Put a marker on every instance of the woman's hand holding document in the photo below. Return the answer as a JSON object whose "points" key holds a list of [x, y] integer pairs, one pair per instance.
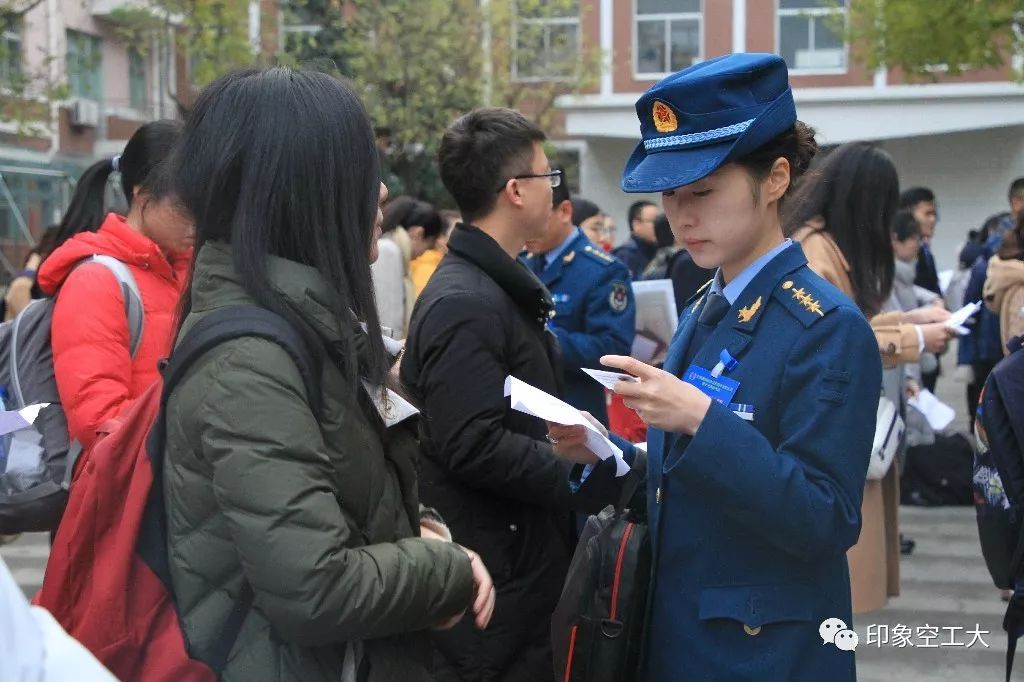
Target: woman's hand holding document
{"points": [[579, 439], [958, 319]]}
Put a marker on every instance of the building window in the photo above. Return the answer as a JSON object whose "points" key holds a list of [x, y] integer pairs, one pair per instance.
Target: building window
{"points": [[667, 36], [138, 89], [810, 37], [10, 54], [85, 65], [545, 41], [299, 24]]}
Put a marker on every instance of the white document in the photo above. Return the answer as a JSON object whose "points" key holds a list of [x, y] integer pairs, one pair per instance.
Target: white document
{"points": [[535, 402], [656, 319], [392, 407], [960, 317], [608, 379], [939, 414], [645, 349], [15, 420], [945, 277]]}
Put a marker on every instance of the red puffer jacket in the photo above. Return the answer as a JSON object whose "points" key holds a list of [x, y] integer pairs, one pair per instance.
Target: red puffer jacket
{"points": [[96, 376]]}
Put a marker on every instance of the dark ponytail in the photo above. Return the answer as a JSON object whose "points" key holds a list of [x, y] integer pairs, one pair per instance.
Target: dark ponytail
{"points": [[86, 211], [145, 152]]}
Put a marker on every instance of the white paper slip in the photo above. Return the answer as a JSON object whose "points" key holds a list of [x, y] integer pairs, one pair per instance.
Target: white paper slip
{"points": [[535, 402], [939, 414], [945, 277], [960, 317], [392, 407], [15, 420], [608, 379]]}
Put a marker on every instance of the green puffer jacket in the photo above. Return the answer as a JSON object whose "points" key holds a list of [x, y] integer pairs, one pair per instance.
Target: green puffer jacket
{"points": [[319, 515]]}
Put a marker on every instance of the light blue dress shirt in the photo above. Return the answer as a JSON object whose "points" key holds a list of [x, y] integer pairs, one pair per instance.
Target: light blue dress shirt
{"points": [[733, 289]]}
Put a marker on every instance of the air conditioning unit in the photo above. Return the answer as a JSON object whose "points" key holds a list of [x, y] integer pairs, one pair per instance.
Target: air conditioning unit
{"points": [[85, 113]]}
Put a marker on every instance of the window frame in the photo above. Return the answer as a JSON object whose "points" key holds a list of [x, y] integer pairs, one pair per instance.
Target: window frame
{"points": [[811, 12], [96, 44], [14, 34], [547, 23], [135, 59], [666, 18]]}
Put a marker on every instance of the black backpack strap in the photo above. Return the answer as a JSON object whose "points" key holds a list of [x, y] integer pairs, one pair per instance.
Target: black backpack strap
{"points": [[1013, 623], [219, 326]]}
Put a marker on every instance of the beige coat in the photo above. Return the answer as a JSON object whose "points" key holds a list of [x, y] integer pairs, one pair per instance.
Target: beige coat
{"points": [[1004, 295], [875, 559]]}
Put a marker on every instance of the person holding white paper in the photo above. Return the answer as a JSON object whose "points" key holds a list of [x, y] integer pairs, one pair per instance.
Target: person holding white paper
{"points": [[749, 520], [485, 467]]}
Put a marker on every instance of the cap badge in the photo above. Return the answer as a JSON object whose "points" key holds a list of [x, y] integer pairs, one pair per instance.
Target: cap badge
{"points": [[664, 118]]}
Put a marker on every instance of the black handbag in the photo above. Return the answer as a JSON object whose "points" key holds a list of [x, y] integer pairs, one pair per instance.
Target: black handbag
{"points": [[598, 627]]}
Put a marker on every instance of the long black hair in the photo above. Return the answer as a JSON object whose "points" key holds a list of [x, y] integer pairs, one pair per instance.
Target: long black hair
{"points": [[856, 189], [282, 162], [147, 149]]}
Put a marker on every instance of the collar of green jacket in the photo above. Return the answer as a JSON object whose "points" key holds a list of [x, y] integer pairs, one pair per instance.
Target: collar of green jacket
{"points": [[216, 283]]}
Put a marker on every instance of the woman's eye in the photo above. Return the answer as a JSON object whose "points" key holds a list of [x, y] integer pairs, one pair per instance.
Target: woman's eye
{"points": [[702, 193]]}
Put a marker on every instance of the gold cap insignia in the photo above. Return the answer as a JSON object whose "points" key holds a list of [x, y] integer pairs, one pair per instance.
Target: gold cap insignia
{"points": [[747, 314], [664, 118]]}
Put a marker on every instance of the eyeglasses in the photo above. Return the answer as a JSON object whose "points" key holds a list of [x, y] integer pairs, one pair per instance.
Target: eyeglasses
{"points": [[555, 177]]}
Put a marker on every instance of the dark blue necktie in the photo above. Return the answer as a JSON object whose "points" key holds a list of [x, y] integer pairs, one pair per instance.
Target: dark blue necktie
{"points": [[539, 264], [711, 314]]}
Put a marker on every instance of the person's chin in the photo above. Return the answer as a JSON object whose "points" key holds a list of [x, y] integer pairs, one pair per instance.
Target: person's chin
{"points": [[704, 254]]}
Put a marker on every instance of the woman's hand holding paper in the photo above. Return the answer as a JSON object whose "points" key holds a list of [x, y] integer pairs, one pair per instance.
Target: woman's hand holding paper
{"points": [[661, 399]]}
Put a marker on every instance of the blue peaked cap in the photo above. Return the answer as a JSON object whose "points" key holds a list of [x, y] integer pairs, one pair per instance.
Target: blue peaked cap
{"points": [[699, 119]]}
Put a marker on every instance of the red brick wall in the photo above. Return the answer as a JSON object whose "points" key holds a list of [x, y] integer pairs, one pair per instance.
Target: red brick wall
{"points": [[74, 140], [120, 128]]}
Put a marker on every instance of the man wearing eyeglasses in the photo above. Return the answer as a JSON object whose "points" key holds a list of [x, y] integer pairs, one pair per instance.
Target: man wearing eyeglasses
{"points": [[488, 470], [595, 313]]}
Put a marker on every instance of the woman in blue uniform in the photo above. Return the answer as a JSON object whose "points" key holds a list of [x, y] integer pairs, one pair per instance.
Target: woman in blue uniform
{"points": [[761, 421]]}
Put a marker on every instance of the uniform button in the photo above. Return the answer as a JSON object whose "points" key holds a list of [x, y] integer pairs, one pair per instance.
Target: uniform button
{"points": [[753, 632], [657, 496], [513, 527]]}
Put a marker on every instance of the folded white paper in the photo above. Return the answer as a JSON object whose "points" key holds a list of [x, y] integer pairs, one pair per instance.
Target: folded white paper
{"points": [[392, 407], [535, 402], [608, 379], [960, 317], [15, 420], [939, 414]]}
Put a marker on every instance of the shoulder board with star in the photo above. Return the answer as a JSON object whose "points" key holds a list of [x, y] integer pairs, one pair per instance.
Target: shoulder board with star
{"points": [[598, 254], [808, 297]]}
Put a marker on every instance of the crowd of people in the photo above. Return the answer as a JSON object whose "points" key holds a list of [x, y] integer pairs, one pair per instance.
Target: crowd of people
{"points": [[406, 523]]}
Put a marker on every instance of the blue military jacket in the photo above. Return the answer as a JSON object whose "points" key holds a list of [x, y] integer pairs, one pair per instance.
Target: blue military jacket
{"points": [[751, 519], [595, 315]]}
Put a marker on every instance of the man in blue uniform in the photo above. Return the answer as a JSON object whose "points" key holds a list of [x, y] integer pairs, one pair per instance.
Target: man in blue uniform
{"points": [[637, 251], [761, 421], [595, 313]]}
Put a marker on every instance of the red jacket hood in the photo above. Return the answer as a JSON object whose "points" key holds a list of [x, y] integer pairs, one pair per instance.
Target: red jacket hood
{"points": [[115, 238]]}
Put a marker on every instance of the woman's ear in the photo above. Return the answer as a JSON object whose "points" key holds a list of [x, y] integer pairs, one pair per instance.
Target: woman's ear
{"points": [[415, 232], [777, 181]]}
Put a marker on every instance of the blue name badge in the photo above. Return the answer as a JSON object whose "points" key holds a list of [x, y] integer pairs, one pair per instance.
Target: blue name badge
{"points": [[721, 389]]}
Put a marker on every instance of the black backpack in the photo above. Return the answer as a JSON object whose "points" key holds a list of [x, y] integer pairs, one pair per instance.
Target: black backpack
{"points": [[37, 463], [598, 627], [999, 485]]}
